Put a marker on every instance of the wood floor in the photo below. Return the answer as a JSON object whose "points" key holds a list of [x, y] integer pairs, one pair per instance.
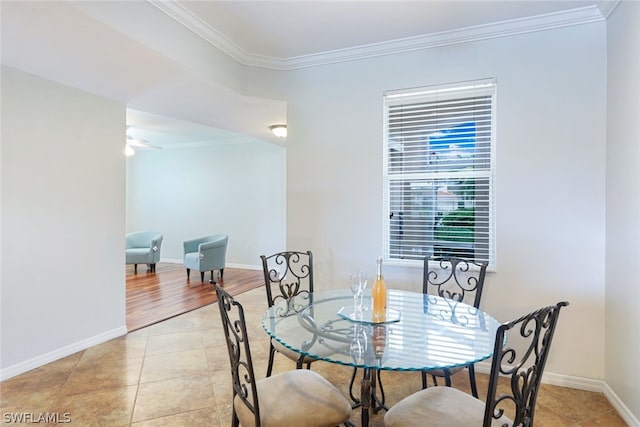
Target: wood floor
{"points": [[153, 297]]}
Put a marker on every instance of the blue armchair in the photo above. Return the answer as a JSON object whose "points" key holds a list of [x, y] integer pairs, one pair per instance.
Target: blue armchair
{"points": [[206, 254], [143, 247]]}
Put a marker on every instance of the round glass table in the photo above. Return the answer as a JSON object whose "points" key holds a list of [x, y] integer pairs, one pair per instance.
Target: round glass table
{"points": [[420, 332]]}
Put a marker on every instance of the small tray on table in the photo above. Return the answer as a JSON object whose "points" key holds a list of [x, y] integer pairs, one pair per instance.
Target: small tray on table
{"points": [[367, 316]]}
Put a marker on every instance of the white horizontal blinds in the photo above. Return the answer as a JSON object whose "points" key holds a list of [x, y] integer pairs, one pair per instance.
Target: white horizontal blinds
{"points": [[438, 177]]}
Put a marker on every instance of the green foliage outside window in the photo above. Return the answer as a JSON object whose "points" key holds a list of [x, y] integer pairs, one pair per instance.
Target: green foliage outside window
{"points": [[456, 226], [454, 234]]}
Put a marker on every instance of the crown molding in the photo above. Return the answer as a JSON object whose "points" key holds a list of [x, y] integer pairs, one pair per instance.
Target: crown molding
{"points": [[577, 16], [192, 22], [607, 6], [447, 38]]}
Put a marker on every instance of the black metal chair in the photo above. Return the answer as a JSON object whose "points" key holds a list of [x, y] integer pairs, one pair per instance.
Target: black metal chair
{"points": [[460, 280], [286, 275], [297, 397], [521, 360]]}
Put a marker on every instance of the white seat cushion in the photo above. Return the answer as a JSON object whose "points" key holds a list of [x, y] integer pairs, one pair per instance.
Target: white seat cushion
{"points": [[296, 398], [287, 352], [439, 407]]}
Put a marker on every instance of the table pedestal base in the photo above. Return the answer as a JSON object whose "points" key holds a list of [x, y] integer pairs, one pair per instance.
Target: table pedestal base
{"points": [[369, 399]]}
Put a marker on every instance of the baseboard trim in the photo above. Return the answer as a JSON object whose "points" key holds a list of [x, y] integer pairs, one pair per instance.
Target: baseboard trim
{"points": [[246, 267], [52, 356], [581, 383], [622, 409], [230, 265]]}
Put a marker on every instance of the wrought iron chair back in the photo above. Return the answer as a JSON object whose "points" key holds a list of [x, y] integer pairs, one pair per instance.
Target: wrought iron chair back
{"points": [[455, 278], [288, 277], [522, 359], [242, 374], [520, 352]]}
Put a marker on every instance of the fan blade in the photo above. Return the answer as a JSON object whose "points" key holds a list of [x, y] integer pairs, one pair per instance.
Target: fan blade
{"points": [[142, 143]]}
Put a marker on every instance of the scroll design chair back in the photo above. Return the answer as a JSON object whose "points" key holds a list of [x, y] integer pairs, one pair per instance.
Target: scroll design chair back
{"points": [[460, 280], [242, 374], [524, 367], [297, 397], [288, 276], [521, 350]]}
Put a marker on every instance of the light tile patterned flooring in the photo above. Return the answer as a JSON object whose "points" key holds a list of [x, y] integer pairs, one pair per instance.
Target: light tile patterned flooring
{"points": [[175, 373]]}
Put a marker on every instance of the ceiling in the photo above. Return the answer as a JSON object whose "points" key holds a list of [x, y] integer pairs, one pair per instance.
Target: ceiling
{"points": [[291, 29], [155, 56]]}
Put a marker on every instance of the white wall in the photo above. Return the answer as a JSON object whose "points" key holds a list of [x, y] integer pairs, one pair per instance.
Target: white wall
{"points": [[550, 176], [235, 188], [63, 194], [622, 372]]}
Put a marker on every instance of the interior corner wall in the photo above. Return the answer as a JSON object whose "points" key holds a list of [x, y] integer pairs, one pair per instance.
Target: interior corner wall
{"points": [[63, 195], [235, 188], [622, 371], [550, 174]]}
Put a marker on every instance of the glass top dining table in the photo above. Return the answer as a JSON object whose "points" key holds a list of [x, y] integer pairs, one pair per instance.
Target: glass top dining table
{"points": [[421, 332]]}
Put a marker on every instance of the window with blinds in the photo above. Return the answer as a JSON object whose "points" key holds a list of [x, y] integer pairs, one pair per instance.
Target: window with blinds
{"points": [[438, 172]]}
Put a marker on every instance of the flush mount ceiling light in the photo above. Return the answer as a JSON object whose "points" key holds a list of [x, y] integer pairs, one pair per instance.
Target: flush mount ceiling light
{"points": [[279, 130]]}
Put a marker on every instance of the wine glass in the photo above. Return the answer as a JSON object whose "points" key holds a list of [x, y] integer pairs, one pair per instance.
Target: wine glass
{"points": [[364, 281], [358, 344], [356, 290], [358, 283]]}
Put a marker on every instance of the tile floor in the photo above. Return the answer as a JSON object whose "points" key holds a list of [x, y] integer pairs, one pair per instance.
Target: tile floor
{"points": [[175, 373]]}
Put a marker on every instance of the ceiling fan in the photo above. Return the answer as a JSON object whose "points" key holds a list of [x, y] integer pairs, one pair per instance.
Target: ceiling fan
{"points": [[132, 142]]}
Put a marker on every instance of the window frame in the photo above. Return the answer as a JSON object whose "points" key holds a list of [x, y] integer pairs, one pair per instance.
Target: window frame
{"points": [[446, 93]]}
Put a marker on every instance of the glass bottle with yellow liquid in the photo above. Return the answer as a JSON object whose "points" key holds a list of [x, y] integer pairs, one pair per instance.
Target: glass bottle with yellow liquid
{"points": [[379, 341], [379, 296]]}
